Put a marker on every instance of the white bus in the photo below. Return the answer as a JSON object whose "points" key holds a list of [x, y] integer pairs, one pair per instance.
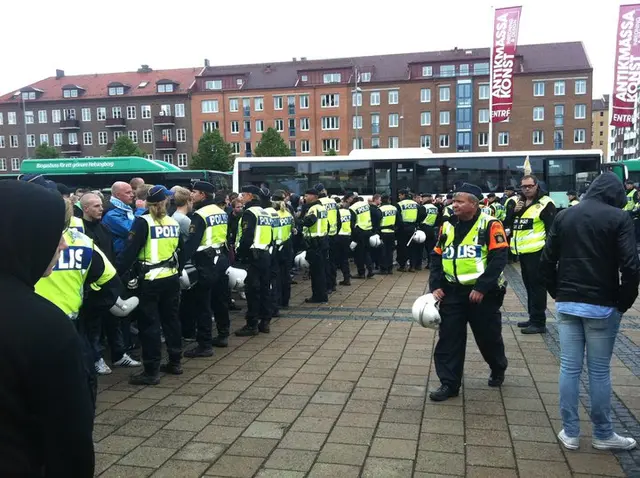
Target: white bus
{"points": [[380, 170]]}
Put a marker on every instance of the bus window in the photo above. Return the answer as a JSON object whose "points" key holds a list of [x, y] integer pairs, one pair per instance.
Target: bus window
{"points": [[560, 175], [404, 176], [382, 175], [430, 176], [586, 170], [513, 170], [341, 176], [483, 172], [291, 177]]}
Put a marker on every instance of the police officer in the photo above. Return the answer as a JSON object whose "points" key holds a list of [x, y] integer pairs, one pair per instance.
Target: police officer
{"points": [[254, 242], [572, 197], [361, 231], [283, 248], [497, 208], [387, 233], [409, 218], [429, 225], [343, 240], [315, 228], [154, 245], [466, 277], [376, 219], [206, 247], [334, 226], [632, 195], [275, 279], [533, 216]]}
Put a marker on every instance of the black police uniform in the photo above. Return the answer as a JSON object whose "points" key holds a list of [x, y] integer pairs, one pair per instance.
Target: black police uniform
{"points": [[316, 256]]}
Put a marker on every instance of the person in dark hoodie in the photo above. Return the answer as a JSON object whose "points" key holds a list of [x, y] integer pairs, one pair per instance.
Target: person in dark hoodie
{"points": [[590, 267], [46, 409]]}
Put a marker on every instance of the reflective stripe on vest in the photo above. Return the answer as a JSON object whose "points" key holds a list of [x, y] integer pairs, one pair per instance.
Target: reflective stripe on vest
{"points": [[388, 221], [286, 226], [275, 223], [408, 210], [432, 215], [529, 234], [362, 210], [332, 214], [575, 202], [263, 235], [500, 212], [321, 226], [448, 211], [162, 242], [77, 224], [215, 220], [630, 203], [345, 222]]}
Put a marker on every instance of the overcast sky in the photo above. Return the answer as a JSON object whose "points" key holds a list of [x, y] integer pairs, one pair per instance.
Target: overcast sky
{"points": [[120, 35]]}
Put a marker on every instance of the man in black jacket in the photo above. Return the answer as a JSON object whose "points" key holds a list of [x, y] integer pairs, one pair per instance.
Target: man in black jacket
{"points": [[46, 408], [590, 267]]}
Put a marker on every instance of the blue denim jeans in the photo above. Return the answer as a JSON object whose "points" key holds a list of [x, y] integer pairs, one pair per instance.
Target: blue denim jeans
{"points": [[597, 336]]}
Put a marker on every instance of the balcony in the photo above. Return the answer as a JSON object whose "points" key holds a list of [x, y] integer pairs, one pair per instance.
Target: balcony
{"points": [[71, 149], [115, 123], [375, 128], [165, 145], [164, 120], [70, 124]]}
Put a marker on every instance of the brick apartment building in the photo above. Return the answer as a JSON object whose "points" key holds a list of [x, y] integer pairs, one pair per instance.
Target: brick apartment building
{"points": [[438, 100], [83, 115], [600, 125]]}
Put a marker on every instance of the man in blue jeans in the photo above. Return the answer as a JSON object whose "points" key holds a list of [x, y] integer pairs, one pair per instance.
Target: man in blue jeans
{"points": [[590, 267]]}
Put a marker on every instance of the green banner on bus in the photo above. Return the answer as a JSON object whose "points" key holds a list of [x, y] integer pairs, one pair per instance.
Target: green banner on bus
{"points": [[127, 164]]}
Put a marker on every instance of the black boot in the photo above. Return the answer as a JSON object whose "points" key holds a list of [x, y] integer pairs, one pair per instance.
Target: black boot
{"points": [[524, 324], [198, 352], [443, 393], [345, 282], [534, 329], [247, 331], [496, 379], [173, 368], [222, 340], [264, 327], [143, 378]]}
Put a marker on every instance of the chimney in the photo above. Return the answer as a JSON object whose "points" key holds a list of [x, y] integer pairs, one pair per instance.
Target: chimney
{"points": [[144, 69], [59, 74], [303, 58], [294, 59], [206, 63]]}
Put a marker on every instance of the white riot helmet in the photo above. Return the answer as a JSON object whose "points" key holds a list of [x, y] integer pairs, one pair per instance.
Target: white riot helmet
{"points": [[375, 241], [419, 237], [353, 245], [189, 277], [425, 311], [236, 278], [301, 260], [123, 308]]}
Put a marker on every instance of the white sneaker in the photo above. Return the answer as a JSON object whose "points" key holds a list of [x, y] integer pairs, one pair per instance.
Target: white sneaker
{"points": [[616, 442], [126, 361], [102, 368], [570, 443]]}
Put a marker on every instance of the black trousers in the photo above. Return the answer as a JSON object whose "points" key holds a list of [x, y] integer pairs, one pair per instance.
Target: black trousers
{"points": [[316, 258], [99, 321], [536, 291], [87, 354], [285, 257], [220, 296], [486, 324], [430, 243], [341, 257], [376, 255], [159, 304], [195, 313], [362, 254], [330, 268], [258, 288], [402, 248], [275, 280], [386, 251]]}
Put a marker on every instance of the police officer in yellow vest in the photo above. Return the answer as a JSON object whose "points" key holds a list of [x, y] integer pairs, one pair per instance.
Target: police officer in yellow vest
{"points": [[572, 197], [497, 209], [361, 231], [267, 205], [388, 225], [334, 226], [206, 246], [343, 240], [429, 225], [254, 244], [410, 215], [533, 216], [283, 249], [315, 229], [154, 249], [632, 195], [466, 277]]}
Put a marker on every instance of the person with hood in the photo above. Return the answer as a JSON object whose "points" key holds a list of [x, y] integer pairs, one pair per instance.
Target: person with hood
{"points": [[590, 267], [533, 216], [46, 418]]}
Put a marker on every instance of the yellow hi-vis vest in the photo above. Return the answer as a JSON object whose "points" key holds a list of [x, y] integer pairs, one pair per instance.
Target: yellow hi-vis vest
{"points": [[332, 214], [363, 215], [528, 232], [465, 263], [630, 204], [77, 224], [575, 202], [215, 235], [388, 221], [321, 227], [65, 286], [500, 212], [275, 223], [432, 215], [263, 235], [162, 242], [408, 210], [286, 225], [345, 222], [513, 198]]}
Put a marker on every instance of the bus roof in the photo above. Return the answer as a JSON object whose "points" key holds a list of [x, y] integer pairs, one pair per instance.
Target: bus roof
{"points": [[124, 164]]}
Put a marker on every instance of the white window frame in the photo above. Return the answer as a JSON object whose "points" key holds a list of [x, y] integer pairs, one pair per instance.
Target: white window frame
{"points": [[427, 71], [537, 137], [441, 93], [145, 111], [503, 138], [103, 137], [31, 141], [42, 116], [183, 160], [209, 106], [356, 99], [87, 135], [278, 102], [425, 95], [85, 113], [357, 122], [538, 113], [393, 98], [425, 118], [259, 126], [14, 141], [72, 138], [101, 113], [131, 113], [15, 164], [393, 142], [394, 120], [147, 136], [305, 124], [483, 115], [582, 114], [331, 78], [116, 112], [330, 123], [58, 139], [538, 85], [365, 77], [330, 100], [168, 158], [213, 85], [580, 91], [29, 117], [330, 143], [304, 102], [483, 139], [444, 141], [579, 136], [484, 91], [559, 88], [374, 98], [12, 118], [234, 105], [444, 118], [258, 103], [179, 110], [3, 164], [279, 125], [181, 135], [3, 144], [425, 141], [235, 127], [45, 137], [305, 146], [133, 135], [375, 142]]}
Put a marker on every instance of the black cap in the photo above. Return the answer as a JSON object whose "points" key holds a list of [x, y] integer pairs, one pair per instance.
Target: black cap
{"points": [[319, 187], [571, 193], [450, 196], [264, 192], [509, 188], [251, 189], [385, 197], [204, 187], [491, 195], [348, 195], [157, 194], [470, 189], [62, 189], [220, 197], [629, 181], [38, 179], [278, 195], [404, 191], [312, 191]]}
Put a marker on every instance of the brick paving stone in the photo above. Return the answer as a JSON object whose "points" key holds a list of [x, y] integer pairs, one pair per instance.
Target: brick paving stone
{"points": [[393, 448], [257, 447], [405, 403], [336, 398], [358, 420], [206, 409], [115, 417], [530, 433], [597, 464], [488, 437], [520, 417], [183, 469], [266, 473], [351, 435], [266, 430], [303, 440], [136, 404], [343, 454], [398, 430], [445, 427], [169, 439], [543, 469], [218, 434], [293, 460], [436, 462], [537, 451], [364, 406], [387, 467], [160, 413], [235, 466], [104, 461], [149, 456], [487, 472], [486, 422], [296, 402], [199, 451], [118, 444], [443, 412], [192, 423], [442, 443], [330, 470], [120, 471], [313, 424], [183, 401], [490, 456]]}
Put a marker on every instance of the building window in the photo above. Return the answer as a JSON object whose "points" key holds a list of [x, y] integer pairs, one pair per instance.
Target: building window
{"points": [[133, 136], [374, 98], [179, 109], [183, 162], [13, 141], [425, 95], [503, 138], [304, 102], [581, 87], [375, 142], [145, 111], [87, 139], [15, 164], [329, 101], [331, 78], [3, 164], [481, 68], [165, 88], [1, 118], [558, 88], [538, 137], [44, 138], [13, 119], [147, 136], [70, 93], [86, 114], [42, 116], [181, 135], [73, 138], [580, 111], [425, 141], [329, 144], [538, 88], [259, 126], [483, 92], [28, 117], [101, 114], [538, 113], [559, 115], [365, 77], [234, 105], [31, 141], [394, 97], [444, 93], [356, 99], [235, 148], [116, 112], [425, 118], [57, 139], [305, 147], [483, 139], [330, 122], [279, 124], [447, 71], [2, 143], [445, 118], [278, 103], [209, 126], [358, 143], [394, 142], [235, 127], [209, 106], [357, 122], [131, 112], [444, 140], [167, 158], [579, 135], [213, 84], [116, 90], [394, 119], [427, 71], [483, 116], [103, 137], [464, 69], [304, 124], [258, 104]]}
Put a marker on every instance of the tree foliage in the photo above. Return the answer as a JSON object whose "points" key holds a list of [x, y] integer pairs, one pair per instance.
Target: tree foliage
{"points": [[124, 146], [331, 152], [44, 151], [272, 144], [214, 153]]}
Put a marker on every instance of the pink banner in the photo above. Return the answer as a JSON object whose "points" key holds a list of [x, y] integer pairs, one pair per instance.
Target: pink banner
{"points": [[627, 67], [505, 38]]}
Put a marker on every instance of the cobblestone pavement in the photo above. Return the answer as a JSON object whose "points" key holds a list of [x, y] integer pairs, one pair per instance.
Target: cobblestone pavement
{"points": [[340, 391]]}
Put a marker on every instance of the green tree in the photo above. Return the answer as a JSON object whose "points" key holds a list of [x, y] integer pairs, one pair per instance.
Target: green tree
{"points": [[124, 146], [44, 151], [214, 153], [331, 152], [272, 144]]}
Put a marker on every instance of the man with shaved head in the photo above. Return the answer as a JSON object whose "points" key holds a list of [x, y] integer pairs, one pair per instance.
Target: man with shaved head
{"points": [[119, 215], [135, 183]]}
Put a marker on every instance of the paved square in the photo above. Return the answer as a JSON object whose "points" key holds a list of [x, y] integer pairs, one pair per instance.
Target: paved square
{"points": [[341, 390]]}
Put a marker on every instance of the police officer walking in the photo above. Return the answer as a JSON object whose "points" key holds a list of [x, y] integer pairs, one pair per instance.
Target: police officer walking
{"points": [[387, 234], [466, 277], [154, 244], [334, 226], [314, 231]]}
